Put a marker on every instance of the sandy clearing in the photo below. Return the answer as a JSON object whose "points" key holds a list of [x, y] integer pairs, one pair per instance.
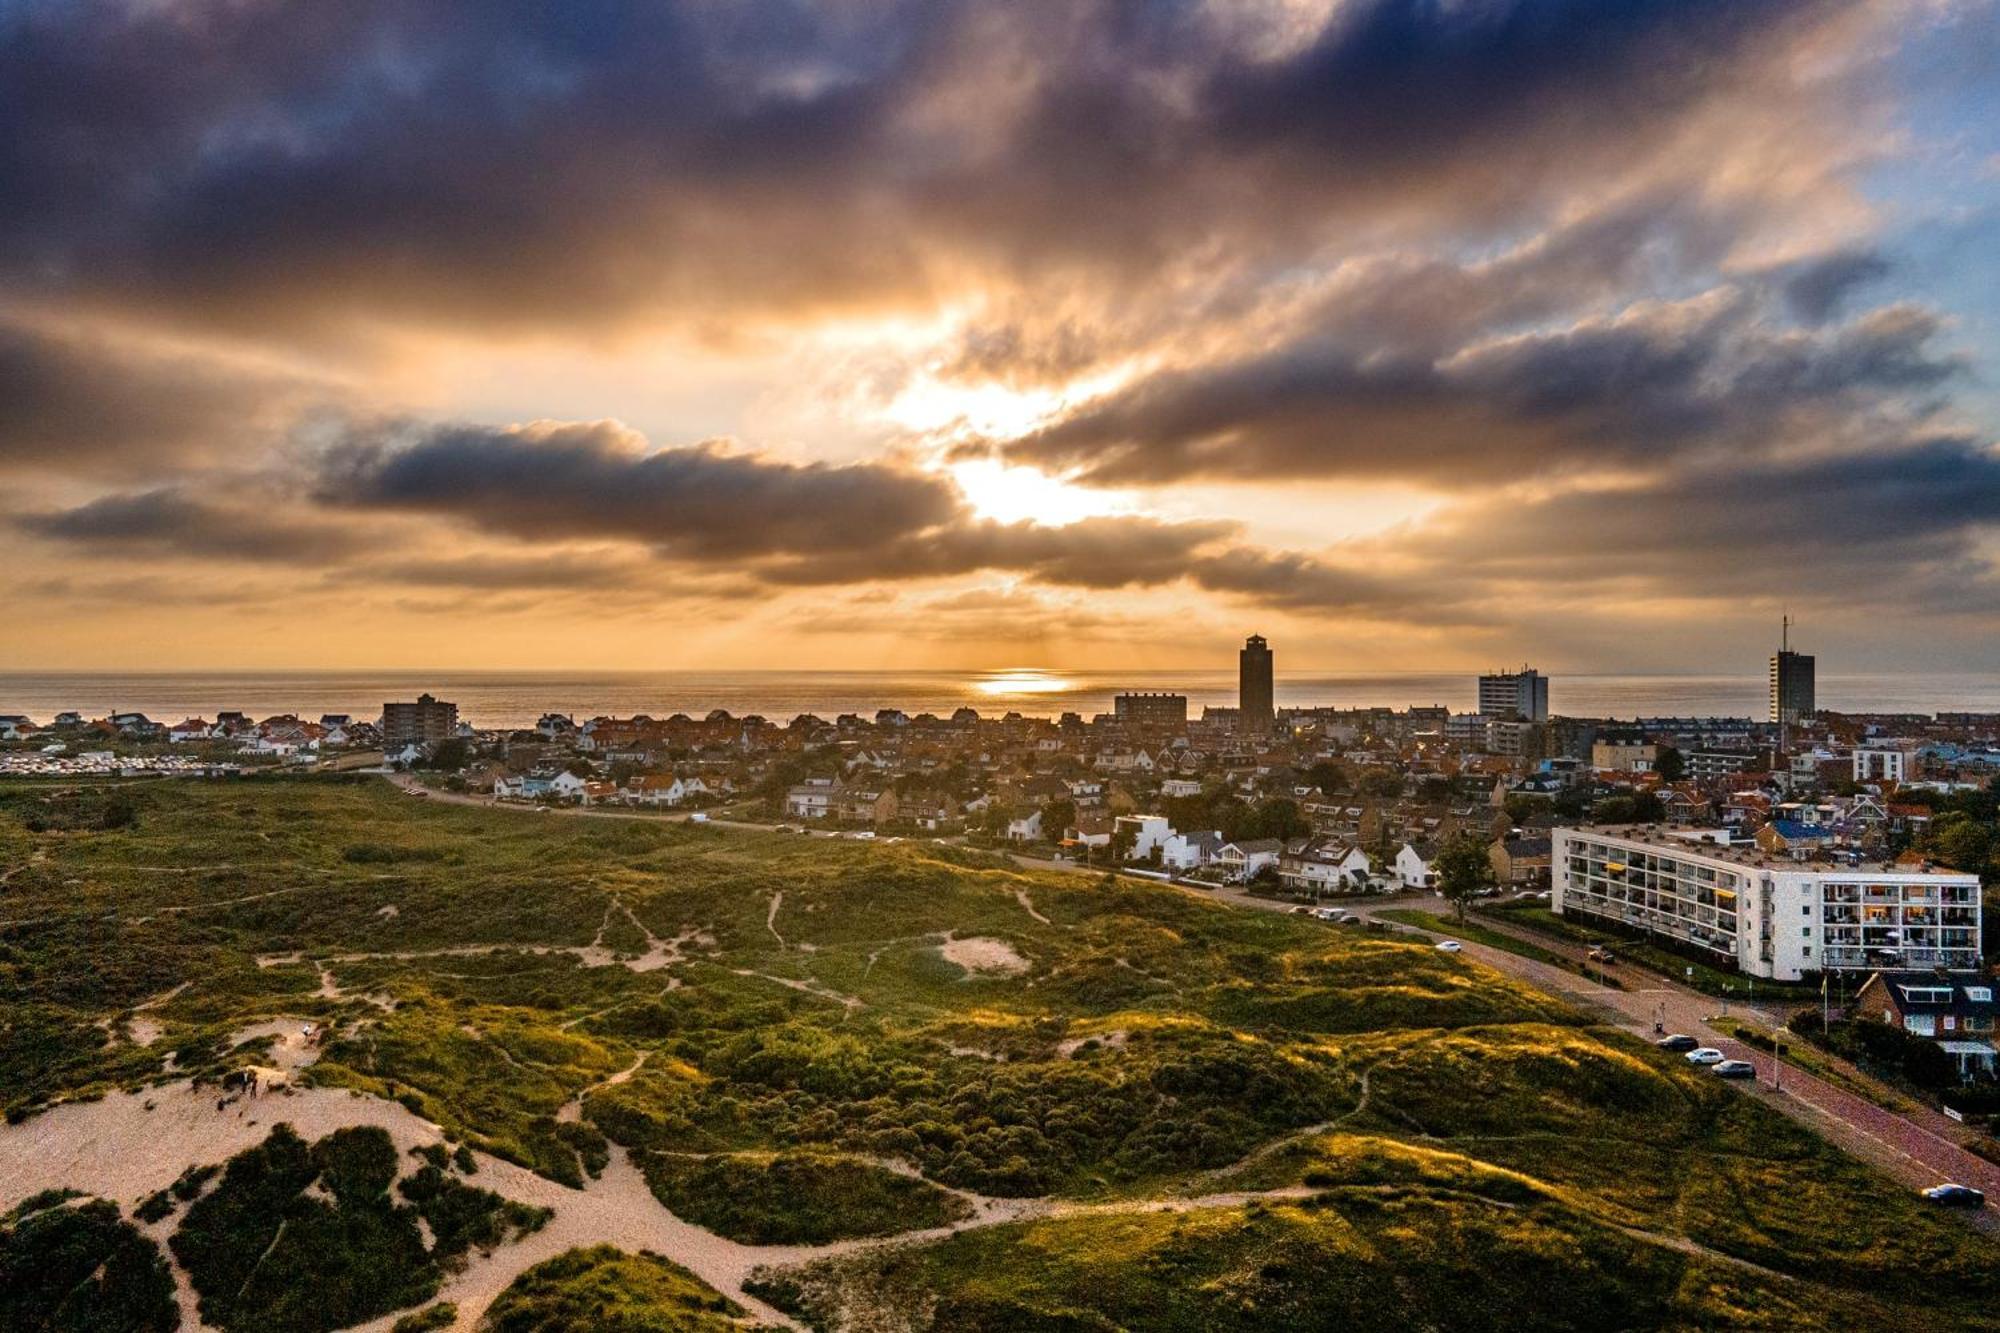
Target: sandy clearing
{"points": [[144, 1031], [1114, 1039], [984, 955]]}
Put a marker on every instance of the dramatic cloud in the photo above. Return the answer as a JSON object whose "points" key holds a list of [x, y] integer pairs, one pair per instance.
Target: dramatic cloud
{"points": [[597, 479], [1414, 327]]}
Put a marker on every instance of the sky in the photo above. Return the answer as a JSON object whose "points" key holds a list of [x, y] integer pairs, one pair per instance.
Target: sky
{"points": [[1084, 333]]}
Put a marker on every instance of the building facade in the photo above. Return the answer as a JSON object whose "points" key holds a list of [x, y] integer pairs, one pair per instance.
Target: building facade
{"points": [[1146, 708], [1255, 702], [1776, 916], [424, 722], [1793, 698], [1522, 696]]}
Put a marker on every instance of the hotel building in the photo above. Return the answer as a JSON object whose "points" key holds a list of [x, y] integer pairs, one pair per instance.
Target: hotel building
{"points": [[1771, 915]]}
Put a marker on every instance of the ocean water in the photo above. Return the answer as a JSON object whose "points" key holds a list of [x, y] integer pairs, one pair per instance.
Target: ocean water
{"points": [[492, 698]]}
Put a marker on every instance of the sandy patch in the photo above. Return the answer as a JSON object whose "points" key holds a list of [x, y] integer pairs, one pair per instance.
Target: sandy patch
{"points": [[984, 956], [144, 1031], [1114, 1040], [290, 1048]]}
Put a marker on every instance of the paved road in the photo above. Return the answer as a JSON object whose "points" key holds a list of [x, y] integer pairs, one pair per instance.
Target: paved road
{"points": [[1913, 1151]]}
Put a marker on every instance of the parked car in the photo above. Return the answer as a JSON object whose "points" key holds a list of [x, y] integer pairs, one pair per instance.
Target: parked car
{"points": [[1302, 910], [1735, 1069], [1330, 914], [1956, 1196], [1679, 1041], [1544, 896], [1600, 954], [1449, 946], [1352, 920], [1705, 1055]]}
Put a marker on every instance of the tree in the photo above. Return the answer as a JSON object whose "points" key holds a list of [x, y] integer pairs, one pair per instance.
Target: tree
{"points": [[1328, 776], [1463, 867], [1058, 816], [1670, 764], [449, 756]]}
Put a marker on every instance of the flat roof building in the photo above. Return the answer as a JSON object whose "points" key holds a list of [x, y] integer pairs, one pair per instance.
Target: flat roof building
{"points": [[1255, 702], [424, 722], [1147, 708], [1521, 695], [1793, 697], [1772, 914]]}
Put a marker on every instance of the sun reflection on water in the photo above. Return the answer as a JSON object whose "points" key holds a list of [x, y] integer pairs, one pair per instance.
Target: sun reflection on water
{"points": [[1021, 681]]}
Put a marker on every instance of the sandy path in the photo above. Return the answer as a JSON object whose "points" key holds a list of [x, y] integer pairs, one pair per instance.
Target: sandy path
{"points": [[771, 918], [1028, 906]]}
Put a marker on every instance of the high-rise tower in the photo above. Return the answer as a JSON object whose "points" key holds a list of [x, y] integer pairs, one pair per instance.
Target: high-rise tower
{"points": [[1253, 686], [1792, 696]]}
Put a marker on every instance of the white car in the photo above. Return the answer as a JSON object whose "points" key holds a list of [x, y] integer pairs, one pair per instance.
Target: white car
{"points": [[1449, 946], [1705, 1055], [1329, 914]]}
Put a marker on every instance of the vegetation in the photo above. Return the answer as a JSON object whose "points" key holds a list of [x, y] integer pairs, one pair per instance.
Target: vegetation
{"points": [[67, 1264], [796, 1198], [806, 1039], [605, 1290], [1463, 867], [309, 1238]]}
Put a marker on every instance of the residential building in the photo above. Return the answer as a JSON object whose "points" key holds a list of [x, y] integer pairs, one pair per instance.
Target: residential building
{"points": [[1180, 787], [1956, 1011], [1147, 832], [1190, 851], [1025, 828], [425, 722], [1522, 862], [1522, 696], [1772, 915], [1792, 695], [1146, 708], [1255, 700], [1241, 861], [1885, 761], [1414, 862], [1324, 865], [815, 798], [1623, 753]]}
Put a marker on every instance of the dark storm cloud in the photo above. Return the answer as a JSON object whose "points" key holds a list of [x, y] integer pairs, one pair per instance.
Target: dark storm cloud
{"points": [[170, 522], [1895, 528], [1639, 387], [596, 479], [270, 165], [1818, 287], [84, 403]]}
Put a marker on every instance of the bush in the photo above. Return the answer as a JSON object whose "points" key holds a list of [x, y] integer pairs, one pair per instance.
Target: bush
{"points": [[81, 1267]]}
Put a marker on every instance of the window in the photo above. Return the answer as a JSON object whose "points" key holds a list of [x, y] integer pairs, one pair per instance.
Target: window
{"points": [[1806, 931], [1923, 1025], [1950, 1023], [1979, 994], [1805, 909]]}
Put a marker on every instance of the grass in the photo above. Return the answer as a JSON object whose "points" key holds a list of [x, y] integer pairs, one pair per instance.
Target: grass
{"points": [[68, 1264], [1471, 1151], [796, 1198], [1478, 934], [1634, 947], [606, 1290]]}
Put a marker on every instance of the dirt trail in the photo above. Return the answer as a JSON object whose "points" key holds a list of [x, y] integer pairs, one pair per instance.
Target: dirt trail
{"points": [[771, 918], [1028, 906]]}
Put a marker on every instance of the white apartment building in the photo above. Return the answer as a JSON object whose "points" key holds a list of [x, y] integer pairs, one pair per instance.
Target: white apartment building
{"points": [[1772, 915], [1885, 762]]}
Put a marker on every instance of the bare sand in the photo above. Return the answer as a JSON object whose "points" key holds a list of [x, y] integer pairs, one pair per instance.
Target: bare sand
{"points": [[984, 955]]}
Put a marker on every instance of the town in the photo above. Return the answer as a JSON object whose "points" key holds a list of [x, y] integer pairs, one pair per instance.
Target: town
{"points": [[1775, 848]]}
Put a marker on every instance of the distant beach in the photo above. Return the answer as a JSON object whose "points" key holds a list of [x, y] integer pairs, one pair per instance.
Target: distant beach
{"points": [[496, 699]]}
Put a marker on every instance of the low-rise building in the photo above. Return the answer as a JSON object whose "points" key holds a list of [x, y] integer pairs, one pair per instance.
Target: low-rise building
{"points": [[1414, 862], [1521, 862], [1771, 915], [1955, 1010]]}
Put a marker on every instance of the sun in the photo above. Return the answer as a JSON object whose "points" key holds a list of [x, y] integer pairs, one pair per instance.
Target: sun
{"points": [[1008, 494]]}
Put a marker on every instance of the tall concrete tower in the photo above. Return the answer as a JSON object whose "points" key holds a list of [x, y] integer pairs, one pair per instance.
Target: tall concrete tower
{"points": [[1253, 686]]}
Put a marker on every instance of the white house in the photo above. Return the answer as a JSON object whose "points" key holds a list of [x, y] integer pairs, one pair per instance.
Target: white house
{"points": [[1028, 828], [1190, 851], [815, 798], [1324, 865], [1148, 832], [1243, 859], [1180, 787], [1413, 865], [568, 786]]}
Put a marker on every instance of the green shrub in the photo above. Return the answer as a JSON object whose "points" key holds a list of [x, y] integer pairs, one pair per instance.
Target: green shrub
{"points": [[65, 1266]]}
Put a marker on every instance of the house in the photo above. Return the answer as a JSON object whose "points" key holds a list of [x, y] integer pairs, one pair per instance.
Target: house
{"points": [[1792, 836], [1190, 851], [1521, 863], [568, 786], [1027, 828], [661, 789], [930, 811], [596, 792], [1956, 1010], [815, 798], [874, 806], [1147, 833], [1242, 860], [1324, 864], [1090, 831], [1414, 864], [14, 727], [1174, 787]]}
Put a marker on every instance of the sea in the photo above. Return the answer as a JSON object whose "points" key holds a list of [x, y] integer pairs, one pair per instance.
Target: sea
{"points": [[518, 698]]}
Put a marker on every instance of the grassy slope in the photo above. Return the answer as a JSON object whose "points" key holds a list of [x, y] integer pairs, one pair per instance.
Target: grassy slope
{"points": [[1156, 1040]]}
